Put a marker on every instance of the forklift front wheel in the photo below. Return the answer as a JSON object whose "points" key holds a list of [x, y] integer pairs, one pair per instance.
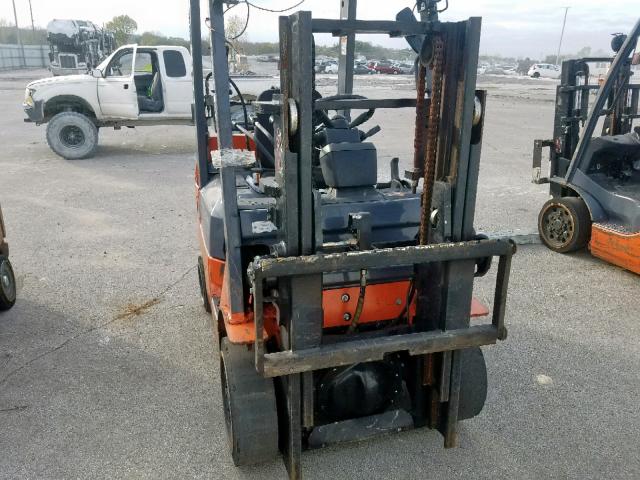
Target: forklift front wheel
{"points": [[7, 284], [473, 383], [564, 224], [249, 402]]}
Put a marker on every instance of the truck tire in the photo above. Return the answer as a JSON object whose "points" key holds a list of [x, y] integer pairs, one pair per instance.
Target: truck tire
{"points": [[7, 284], [72, 135]]}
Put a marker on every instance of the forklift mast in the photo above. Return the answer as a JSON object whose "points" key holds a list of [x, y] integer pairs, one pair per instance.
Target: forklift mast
{"points": [[306, 221]]}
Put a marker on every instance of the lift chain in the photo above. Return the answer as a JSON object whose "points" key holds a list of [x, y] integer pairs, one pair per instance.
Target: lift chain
{"points": [[433, 126], [418, 139]]}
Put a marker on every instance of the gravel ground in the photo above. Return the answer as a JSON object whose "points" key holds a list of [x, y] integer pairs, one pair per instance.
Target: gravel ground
{"points": [[107, 368]]}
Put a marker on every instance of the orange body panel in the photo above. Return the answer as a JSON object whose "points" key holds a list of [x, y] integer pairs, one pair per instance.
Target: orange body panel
{"points": [[239, 142], [615, 247], [240, 327], [478, 309], [244, 333], [383, 301], [213, 269]]}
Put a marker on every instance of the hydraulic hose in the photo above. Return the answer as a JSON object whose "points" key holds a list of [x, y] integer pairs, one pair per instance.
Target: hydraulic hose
{"points": [[363, 290], [244, 108]]}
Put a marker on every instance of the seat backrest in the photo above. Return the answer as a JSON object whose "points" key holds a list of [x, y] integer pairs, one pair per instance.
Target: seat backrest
{"points": [[349, 164], [156, 88]]}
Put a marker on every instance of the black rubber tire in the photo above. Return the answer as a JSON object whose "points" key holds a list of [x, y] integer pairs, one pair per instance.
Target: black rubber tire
{"points": [[473, 386], [535, 75], [7, 284], [571, 227], [249, 402], [85, 133], [206, 303]]}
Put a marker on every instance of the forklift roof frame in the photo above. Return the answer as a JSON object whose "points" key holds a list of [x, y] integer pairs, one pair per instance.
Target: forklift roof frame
{"points": [[603, 94]]}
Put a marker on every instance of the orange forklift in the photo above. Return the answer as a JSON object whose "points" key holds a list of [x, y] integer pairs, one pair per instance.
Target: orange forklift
{"points": [[7, 278], [595, 181], [342, 303]]}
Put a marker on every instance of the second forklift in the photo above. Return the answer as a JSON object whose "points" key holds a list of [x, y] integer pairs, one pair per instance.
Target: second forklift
{"points": [[595, 181]]}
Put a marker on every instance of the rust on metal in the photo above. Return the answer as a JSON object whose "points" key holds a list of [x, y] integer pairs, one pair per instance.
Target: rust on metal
{"points": [[418, 140], [432, 138]]}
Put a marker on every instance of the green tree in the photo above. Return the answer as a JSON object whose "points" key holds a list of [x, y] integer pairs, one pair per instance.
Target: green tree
{"points": [[123, 27], [157, 38], [584, 52], [235, 32]]}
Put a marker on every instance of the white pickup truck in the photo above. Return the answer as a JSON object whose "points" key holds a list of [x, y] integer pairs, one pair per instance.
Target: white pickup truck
{"points": [[134, 86]]}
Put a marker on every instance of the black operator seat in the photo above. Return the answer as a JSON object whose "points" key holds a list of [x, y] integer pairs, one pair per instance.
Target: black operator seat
{"points": [[153, 101], [613, 167], [610, 149], [346, 161]]}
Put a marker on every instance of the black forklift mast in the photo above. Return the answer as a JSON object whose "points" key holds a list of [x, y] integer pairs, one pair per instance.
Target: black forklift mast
{"points": [[575, 123], [223, 130], [448, 287]]}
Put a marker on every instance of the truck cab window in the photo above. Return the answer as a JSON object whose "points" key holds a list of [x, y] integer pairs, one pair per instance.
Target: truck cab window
{"points": [[174, 63], [121, 65], [144, 63]]}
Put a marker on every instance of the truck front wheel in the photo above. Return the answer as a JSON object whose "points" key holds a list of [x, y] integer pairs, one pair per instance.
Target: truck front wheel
{"points": [[72, 135]]}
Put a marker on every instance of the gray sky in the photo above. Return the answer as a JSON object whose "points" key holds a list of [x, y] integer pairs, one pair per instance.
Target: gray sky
{"points": [[510, 27]]}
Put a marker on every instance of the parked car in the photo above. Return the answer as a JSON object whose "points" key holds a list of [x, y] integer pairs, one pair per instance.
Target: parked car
{"points": [[405, 68], [494, 70], [544, 70], [362, 69], [384, 67], [7, 277], [268, 58], [134, 86], [331, 67]]}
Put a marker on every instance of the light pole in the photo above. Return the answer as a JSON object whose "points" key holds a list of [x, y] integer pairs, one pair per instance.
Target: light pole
{"points": [[564, 23], [33, 33], [15, 16], [33, 27]]}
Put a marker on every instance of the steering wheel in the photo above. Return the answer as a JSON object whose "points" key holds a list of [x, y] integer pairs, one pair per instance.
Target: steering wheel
{"points": [[323, 115]]}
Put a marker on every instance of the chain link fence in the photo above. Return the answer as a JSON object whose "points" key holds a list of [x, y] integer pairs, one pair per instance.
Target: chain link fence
{"points": [[13, 57]]}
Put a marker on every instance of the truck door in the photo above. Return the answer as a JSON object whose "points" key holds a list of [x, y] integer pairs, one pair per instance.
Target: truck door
{"points": [[117, 89], [176, 75]]}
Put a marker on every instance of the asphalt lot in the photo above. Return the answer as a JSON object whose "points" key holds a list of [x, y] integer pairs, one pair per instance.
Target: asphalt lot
{"points": [[107, 367]]}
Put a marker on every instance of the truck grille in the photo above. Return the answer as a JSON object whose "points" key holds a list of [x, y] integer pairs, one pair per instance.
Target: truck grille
{"points": [[67, 61]]}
